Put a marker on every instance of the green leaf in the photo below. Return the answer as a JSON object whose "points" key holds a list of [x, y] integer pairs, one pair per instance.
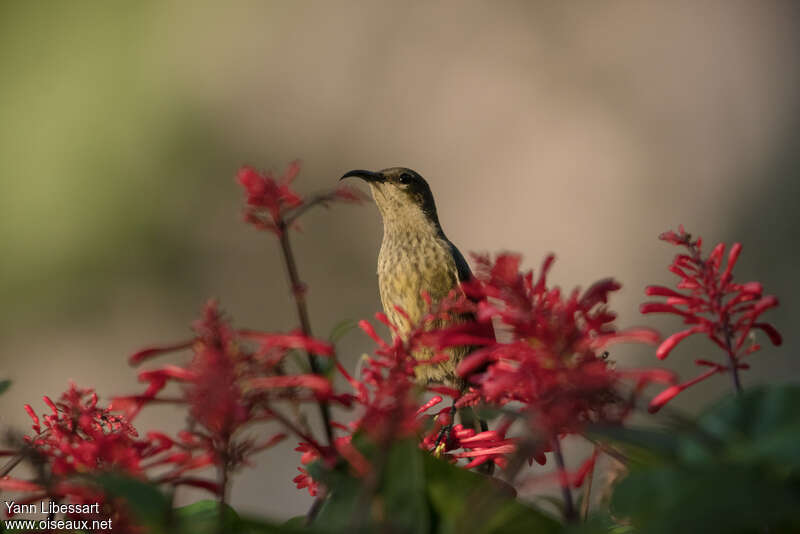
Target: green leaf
{"points": [[420, 494], [737, 469], [643, 446], [714, 499], [464, 500], [147, 503], [258, 526], [204, 517], [753, 414], [598, 523], [340, 511], [298, 522], [759, 426], [398, 501], [4, 385], [403, 489]]}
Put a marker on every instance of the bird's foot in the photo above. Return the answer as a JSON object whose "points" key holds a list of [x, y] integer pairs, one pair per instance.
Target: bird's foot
{"points": [[444, 433]]}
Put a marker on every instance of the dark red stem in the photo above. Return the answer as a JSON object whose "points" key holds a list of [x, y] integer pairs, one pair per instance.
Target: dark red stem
{"points": [[298, 292], [732, 358], [11, 464], [570, 514], [223, 483]]}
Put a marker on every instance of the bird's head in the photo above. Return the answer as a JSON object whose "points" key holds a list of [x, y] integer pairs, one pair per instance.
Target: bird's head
{"points": [[402, 195]]}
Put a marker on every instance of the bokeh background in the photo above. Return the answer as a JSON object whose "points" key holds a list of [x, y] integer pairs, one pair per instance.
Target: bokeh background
{"points": [[582, 128]]}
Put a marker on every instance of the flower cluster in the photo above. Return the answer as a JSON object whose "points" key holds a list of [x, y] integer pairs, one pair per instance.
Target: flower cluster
{"points": [[479, 447], [390, 401], [554, 362], [79, 434], [386, 395], [712, 304], [79, 437], [391, 395], [229, 387]]}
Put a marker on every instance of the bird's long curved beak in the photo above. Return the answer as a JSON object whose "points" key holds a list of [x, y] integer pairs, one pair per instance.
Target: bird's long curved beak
{"points": [[367, 176]]}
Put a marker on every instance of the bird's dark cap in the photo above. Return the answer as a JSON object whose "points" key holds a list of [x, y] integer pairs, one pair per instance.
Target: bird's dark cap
{"points": [[367, 176]]}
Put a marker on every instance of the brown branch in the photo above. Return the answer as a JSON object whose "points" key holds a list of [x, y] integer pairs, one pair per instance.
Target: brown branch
{"points": [[11, 464], [298, 292]]}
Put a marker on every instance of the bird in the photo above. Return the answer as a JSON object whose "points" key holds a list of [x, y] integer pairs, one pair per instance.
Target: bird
{"points": [[415, 257]]}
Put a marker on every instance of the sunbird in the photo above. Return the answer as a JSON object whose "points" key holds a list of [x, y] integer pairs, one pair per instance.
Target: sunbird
{"points": [[415, 256]]}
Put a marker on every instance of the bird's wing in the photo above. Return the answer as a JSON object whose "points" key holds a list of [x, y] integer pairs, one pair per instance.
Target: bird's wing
{"points": [[462, 267], [463, 270]]}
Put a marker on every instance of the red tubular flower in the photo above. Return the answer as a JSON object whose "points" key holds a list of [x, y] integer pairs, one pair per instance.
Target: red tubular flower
{"points": [[388, 390], [304, 480], [553, 362], [295, 340], [80, 437], [320, 385], [264, 192], [15, 484], [227, 387], [478, 447], [707, 298], [552, 365], [583, 471], [272, 205]]}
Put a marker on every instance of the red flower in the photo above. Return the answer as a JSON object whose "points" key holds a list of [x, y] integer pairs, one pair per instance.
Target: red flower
{"points": [[707, 299], [553, 362], [388, 397], [478, 447], [304, 480], [264, 192], [388, 389], [228, 387], [272, 205], [80, 437]]}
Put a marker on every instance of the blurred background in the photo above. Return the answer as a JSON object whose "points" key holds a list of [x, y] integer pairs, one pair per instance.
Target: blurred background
{"points": [[581, 128]]}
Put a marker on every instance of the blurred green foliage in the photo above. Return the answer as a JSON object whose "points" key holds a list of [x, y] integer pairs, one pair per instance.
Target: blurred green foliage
{"points": [[99, 158], [736, 468]]}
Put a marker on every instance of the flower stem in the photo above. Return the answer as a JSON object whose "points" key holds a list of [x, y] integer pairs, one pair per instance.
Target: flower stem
{"points": [[316, 506], [732, 358], [569, 507], [587, 493], [222, 472], [223, 493], [11, 464], [297, 431], [298, 292]]}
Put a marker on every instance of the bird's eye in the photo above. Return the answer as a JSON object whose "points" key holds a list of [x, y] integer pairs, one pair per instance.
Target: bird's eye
{"points": [[405, 178]]}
